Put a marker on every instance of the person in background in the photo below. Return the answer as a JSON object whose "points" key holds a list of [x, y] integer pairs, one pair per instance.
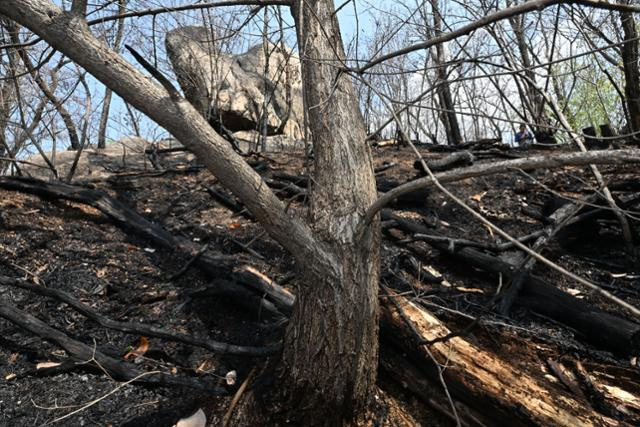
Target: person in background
{"points": [[523, 137]]}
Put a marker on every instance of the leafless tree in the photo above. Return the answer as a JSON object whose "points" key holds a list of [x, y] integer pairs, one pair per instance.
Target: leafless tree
{"points": [[328, 367]]}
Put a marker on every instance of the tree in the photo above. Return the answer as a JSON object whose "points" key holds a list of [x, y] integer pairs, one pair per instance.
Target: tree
{"points": [[631, 71], [106, 104], [334, 326], [448, 113], [328, 366]]}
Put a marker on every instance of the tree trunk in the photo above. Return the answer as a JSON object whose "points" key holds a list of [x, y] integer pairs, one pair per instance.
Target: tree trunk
{"points": [[331, 344], [106, 105], [534, 101], [329, 362], [448, 115], [631, 71]]}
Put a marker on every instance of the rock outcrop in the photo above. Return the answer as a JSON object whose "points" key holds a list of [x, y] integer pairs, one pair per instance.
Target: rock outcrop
{"points": [[125, 155], [233, 86]]}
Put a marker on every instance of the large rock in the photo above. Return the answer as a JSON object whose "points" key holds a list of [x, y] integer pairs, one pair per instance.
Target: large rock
{"points": [[234, 85], [250, 140], [125, 155]]}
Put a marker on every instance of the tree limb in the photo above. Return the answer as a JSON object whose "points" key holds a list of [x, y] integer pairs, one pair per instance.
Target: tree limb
{"points": [[500, 15], [529, 163], [180, 118], [84, 352]]}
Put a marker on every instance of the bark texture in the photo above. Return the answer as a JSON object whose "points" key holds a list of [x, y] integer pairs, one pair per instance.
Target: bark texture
{"points": [[329, 363], [331, 344], [480, 378]]}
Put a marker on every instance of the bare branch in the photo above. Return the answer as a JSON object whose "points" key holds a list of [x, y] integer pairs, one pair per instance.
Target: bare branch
{"points": [[509, 12], [157, 11], [137, 328], [529, 163]]}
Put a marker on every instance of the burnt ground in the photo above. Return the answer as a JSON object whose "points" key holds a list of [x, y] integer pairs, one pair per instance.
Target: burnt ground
{"points": [[72, 247]]}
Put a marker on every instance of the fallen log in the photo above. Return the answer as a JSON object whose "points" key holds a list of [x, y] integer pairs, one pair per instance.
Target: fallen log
{"points": [[595, 326], [248, 298], [138, 328], [462, 158], [529, 163], [396, 366], [228, 201], [122, 215], [482, 380], [211, 263], [253, 278], [415, 198], [90, 355], [384, 167]]}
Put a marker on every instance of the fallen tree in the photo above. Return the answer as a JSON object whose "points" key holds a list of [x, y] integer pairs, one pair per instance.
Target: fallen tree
{"points": [[477, 377], [595, 326]]}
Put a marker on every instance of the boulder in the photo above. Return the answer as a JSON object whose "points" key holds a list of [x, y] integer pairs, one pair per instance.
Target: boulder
{"points": [[250, 140], [233, 86], [125, 155]]}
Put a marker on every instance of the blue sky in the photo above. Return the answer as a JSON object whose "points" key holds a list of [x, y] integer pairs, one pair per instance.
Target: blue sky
{"points": [[348, 24]]}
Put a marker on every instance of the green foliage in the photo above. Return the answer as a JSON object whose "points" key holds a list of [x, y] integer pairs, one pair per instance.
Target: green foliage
{"points": [[593, 99]]}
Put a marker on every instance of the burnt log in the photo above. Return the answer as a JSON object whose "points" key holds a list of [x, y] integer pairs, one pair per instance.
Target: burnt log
{"points": [[213, 264], [593, 325], [84, 353], [412, 377], [137, 328], [462, 158], [482, 380], [415, 198]]}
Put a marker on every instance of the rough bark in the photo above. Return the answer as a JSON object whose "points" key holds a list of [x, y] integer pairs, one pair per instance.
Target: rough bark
{"points": [[330, 356], [331, 344]]}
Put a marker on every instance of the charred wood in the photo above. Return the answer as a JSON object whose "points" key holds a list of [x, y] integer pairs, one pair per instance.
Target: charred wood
{"points": [[137, 328], [413, 378], [478, 378], [90, 355], [595, 326], [251, 277], [462, 158], [418, 197]]}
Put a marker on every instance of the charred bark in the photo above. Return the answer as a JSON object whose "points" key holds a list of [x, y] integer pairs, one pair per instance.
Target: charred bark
{"points": [[601, 329]]}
